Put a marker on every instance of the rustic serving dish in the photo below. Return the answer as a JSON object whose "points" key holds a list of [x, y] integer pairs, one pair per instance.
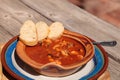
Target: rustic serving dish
{"points": [[31, 56]]}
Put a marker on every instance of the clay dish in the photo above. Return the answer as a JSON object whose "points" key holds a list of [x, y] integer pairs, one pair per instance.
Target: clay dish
{"points": [[60, 57]]}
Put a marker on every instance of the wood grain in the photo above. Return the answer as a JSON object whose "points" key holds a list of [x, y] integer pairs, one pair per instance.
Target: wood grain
{"points": [[114, 69], [105, 76], [80, 21], [77, 20], [14, 13], [12, 16]]}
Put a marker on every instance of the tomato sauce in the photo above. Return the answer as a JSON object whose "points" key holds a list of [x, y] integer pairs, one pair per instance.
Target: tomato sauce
{"points": [[63, 51]]}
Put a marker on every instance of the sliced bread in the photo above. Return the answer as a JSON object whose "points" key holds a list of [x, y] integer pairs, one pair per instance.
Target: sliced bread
{"points": [[42, 30], [56, 30], [28, 33]]}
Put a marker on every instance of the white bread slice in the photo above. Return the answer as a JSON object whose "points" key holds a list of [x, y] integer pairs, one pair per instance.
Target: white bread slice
{"points": [[28, 33], [42, 30], [56, 30]]}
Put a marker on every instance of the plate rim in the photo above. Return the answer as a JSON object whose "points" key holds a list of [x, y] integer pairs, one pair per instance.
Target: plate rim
{"points": [[105, 66], [103, 69]]}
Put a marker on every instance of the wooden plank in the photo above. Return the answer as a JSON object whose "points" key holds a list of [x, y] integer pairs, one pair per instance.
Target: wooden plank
{"points": [[77, 20], [114, 69], [4, 35], [105, 76], [14, 13], [12, 16]]}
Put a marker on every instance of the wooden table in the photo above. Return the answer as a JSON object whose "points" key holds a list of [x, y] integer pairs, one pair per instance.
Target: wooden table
{"points": [[14, 13]]}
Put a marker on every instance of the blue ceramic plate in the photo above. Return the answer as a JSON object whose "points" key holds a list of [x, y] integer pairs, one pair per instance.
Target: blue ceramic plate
{"points": [[19, 70]]}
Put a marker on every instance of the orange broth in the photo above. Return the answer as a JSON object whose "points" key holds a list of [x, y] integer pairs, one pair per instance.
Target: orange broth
{"points": [[63, 51]]}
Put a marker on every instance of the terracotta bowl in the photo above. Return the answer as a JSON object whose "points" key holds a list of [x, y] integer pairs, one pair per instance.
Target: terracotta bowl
{"points": [[52, 68]]}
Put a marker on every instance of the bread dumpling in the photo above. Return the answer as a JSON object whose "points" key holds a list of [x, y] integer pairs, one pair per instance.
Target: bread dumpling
{"points": [[28, 33], [56, 30], [42, 30]]}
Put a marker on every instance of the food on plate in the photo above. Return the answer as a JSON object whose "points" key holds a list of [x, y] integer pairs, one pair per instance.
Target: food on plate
{"points": [[28, 33], [42, 30], [53, 46], [56, 52]]}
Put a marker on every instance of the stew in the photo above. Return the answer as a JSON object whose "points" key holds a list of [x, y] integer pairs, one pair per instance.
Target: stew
{"points": [[63, 51]]}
